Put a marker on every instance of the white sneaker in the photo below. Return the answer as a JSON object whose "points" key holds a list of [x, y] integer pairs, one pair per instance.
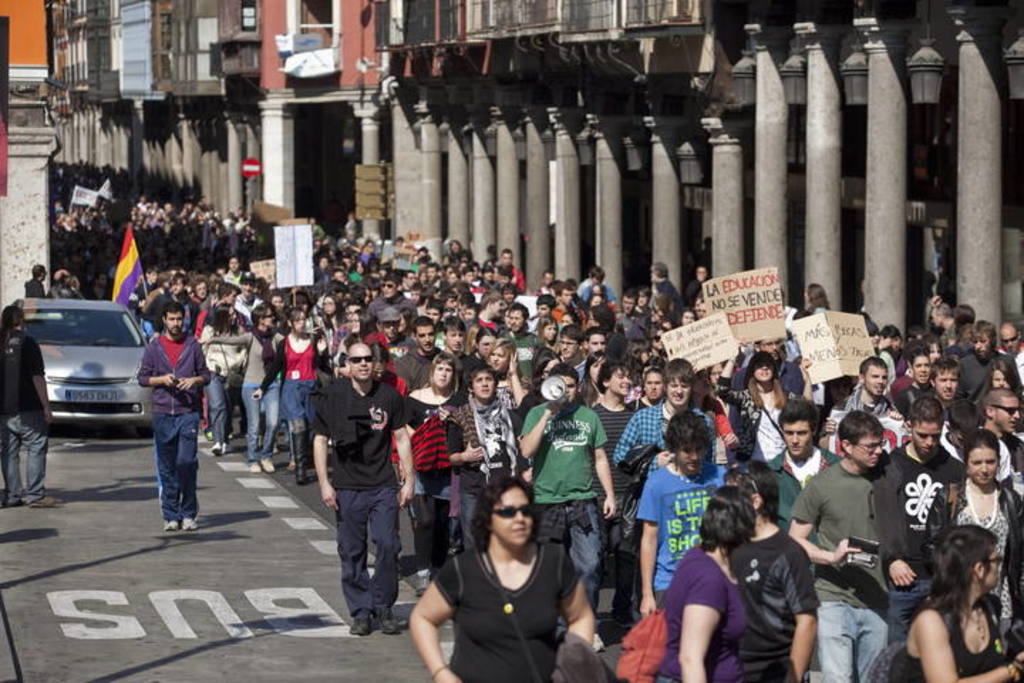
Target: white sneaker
{"points": [[171, 525], [218, 449], [189, 524], [598, 643], [268, 465], [255, 468]]}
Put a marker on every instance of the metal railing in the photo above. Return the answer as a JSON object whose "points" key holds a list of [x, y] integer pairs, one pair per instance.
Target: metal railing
{"points": [[641, 12], [589, 15]]}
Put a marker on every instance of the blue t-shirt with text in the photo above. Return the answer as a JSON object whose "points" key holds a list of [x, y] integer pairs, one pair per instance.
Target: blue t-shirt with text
{"points": [[676, 504]]}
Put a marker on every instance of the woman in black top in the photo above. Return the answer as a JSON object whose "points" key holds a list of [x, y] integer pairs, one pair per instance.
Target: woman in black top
{"points": [[505, 599], [955, 635]]}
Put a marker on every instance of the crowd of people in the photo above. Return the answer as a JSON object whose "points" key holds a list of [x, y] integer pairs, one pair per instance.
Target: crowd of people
{"points": [[760, 516]]}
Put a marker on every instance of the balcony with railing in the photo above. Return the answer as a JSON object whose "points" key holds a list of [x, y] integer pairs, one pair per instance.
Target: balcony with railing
{"points": [[660, 12], [587, 16], [419, 22], [238, 29], [497, 18]]}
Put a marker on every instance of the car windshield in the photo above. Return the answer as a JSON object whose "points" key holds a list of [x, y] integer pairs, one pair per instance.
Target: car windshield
{"points": [[82, 327]]}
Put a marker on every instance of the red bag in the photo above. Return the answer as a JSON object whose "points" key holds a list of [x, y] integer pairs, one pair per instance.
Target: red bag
{"points": [[429, 447], [643, 648]]}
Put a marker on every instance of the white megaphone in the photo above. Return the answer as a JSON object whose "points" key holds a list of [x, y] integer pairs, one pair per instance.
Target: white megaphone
{"points": [[553, 389]]}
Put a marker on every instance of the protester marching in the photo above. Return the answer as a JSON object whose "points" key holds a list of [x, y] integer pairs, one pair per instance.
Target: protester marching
{"points": [[769, 491]]}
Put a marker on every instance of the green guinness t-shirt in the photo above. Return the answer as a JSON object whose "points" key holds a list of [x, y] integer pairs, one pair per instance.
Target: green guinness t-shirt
{"points": [[563, 466]]}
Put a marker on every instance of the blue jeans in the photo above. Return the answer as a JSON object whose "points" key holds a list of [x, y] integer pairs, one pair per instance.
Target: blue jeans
{"points": [[849, 640], [467, 508], [26, 430], [217, 399], [376, 509], [176, 439], [268, 405], [903, 602], [584, 548]]}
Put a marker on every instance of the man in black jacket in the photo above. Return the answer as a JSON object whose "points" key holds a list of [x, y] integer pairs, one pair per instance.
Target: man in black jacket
{"points": [[915, 475], [34, 288]]}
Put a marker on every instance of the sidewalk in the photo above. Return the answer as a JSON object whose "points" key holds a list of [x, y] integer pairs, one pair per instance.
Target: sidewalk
{"points": [[95, 590]]}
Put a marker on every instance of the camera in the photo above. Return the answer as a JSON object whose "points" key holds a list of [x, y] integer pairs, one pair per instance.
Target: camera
{"points": [[867, 556]]}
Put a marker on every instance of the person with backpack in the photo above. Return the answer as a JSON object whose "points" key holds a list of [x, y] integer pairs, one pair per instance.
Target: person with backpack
{"points": [[955, 637], [776, 583]]}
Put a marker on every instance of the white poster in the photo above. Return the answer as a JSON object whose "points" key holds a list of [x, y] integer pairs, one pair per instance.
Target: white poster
{"points": [[84, 196], [293, 254]]}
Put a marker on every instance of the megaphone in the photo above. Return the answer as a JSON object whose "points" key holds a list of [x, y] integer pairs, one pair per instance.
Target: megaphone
{"points": [[553, 389]]}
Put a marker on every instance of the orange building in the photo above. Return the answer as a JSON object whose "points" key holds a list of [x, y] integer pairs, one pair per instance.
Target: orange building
{"points": [[27, 38]]}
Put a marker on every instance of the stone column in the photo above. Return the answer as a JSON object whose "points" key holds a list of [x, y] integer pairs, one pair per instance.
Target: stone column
{"points": [[567, 228], [507, 187], [1013, 306], [189, 151], [24, 217], [665, 199], [885, 196], [278, 142], [771, 126], [608, 157], [979, 192], [538, 210], [458, 184], [253, 148], [430, 155], [234, 165], [822, 263], [726, 198], [369, 130], [173, 151], [483, 190]]}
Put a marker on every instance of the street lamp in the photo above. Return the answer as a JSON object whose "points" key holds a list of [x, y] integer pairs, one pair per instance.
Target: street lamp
{"points": [[691, 172], [855, 78], [744, 80], [794, 79], [1015, 67], [925, 67]]}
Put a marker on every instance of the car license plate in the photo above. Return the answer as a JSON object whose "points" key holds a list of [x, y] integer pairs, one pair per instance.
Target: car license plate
{"points": [[91, 395]]}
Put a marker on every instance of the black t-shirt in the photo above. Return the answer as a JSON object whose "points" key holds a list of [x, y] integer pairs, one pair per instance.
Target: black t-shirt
{"points": [[922, 483], [487, 648], [366, 464], [471, 478], [614, 423], [775, 581], [21, 398], [420, 411]]}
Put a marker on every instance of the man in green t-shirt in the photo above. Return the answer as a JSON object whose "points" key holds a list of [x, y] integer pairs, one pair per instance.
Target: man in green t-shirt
{"points": [[837, 505], [565, 442]]}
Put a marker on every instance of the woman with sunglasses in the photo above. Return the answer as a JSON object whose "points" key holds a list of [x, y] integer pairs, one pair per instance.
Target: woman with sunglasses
{"points": [[298, 356], [984, 501], [955, 636], [505, 597]]}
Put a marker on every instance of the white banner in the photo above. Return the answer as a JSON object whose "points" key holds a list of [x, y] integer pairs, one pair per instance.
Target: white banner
{"points": [[84, 196], [293, 255], [106, 191]]}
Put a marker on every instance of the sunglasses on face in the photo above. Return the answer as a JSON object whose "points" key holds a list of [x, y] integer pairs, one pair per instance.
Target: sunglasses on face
{"points": [[510, 511], [360, 359]]}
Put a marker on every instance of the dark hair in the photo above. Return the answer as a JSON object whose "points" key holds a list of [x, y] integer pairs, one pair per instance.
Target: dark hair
{"points": [[172, 307], [957, 551], [453, 324], [607, 371], [728, 520], [1008, 366], [926, 409], [964, 416], [572, 332], [564, 370], [422, 321], [872, 361], [756, 477], [226, 289], [996, 395], [483, 369], [687, 432], [519, 308], [799, 410], [915, 350], [38, 271], [597, 330], [540, 360], [679, 369], [604, 316], [858, 424], [980, 438], [489, 498], [946, 364], [890, 332], [11, 318], [547, 300], [223, 321]]}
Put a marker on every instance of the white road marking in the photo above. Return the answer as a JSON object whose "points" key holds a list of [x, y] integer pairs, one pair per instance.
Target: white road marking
{"points": [[233, 466], [326, 547], [305, 523], [256, 483], [279, 502]]}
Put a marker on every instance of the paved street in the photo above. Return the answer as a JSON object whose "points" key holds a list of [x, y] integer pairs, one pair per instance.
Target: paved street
{"points": [[96, 591]]}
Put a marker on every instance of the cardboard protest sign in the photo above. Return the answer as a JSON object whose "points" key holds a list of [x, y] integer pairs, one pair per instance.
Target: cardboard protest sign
{"points": [[266, 269], [293, 255], [84, 196], [703, 342], [752, 301], [834, 342]]}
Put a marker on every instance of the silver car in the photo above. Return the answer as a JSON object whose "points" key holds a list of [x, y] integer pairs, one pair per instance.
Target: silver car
{"points": [[92, 351]]}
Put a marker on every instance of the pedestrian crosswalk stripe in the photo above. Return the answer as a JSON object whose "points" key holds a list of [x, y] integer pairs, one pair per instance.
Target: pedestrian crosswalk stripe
{"points": [[305, 523], [233, 466], [278, 502], [256, 483], [326, 547]]}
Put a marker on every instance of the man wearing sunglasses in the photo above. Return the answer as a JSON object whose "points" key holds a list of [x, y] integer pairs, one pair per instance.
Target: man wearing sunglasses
{"points": [[1002, 413], [361, 416], [391, 296]]}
